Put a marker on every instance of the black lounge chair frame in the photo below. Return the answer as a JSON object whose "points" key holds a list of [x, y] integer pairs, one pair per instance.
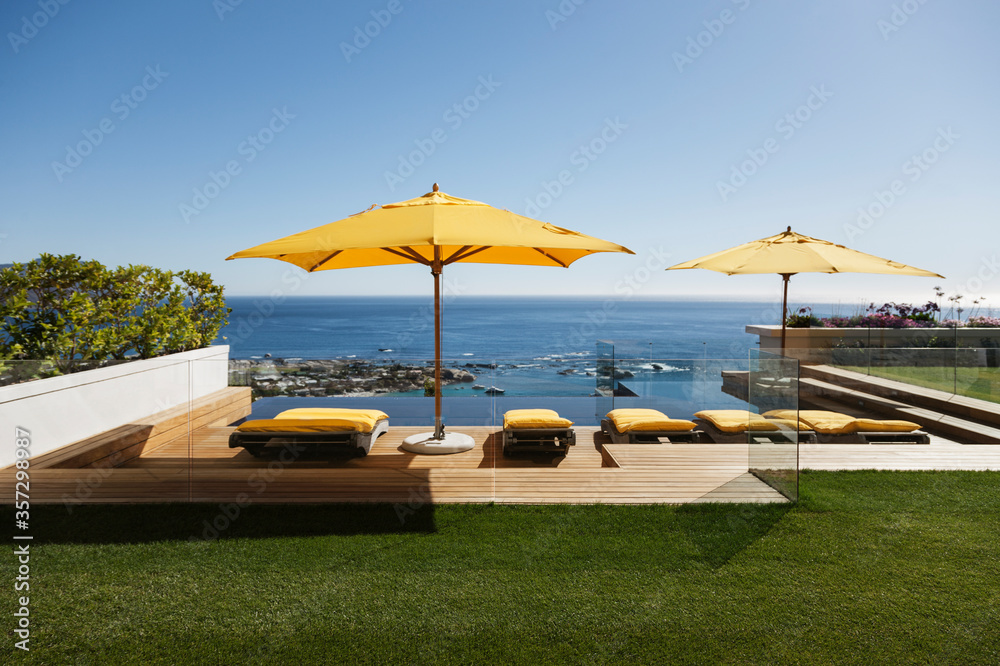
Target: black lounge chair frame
{"points": [[876, 437], [530, 440], [256, 442]]}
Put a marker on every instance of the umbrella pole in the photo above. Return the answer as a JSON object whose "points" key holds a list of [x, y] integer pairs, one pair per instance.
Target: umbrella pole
{"points": [[438, 442], [436, 271], [784, 309]]}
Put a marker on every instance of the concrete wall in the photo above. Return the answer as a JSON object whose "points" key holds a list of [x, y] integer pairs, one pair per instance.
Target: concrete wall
{"points": [[816, 345], [61, 410]]}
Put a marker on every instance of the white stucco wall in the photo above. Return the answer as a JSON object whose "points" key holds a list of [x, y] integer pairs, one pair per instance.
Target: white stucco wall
{"points": [[813, 345], [61, 410]]}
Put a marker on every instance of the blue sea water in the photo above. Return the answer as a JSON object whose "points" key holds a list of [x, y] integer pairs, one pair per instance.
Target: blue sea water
{"points": [[539, 346], [490, 328]]}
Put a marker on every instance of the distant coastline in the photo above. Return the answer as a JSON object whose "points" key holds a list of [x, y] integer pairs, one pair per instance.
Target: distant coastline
{"points": [[489, 328]]}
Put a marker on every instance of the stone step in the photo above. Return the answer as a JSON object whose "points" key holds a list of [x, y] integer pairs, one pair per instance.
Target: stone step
{"points": [[819, 394], [970, 409]]}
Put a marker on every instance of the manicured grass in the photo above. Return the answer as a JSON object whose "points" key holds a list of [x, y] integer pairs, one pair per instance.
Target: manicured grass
{"points": [[981, 383], [869, 567]]}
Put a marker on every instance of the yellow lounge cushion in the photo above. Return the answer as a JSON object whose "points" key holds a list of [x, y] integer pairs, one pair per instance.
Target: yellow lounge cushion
{"points": [[303, 425], [790, 424], [331, 412], [889, 425], [534, 418], [647, 420], [822, 421], [364, 419], [782, 414], [835, 423], [735, 421]]}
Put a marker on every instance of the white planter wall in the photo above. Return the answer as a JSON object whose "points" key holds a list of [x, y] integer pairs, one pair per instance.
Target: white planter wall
{"points": [[61, 410], [814, 345]]}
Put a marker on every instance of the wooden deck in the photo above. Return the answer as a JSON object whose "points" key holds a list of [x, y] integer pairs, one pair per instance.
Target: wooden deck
{"points": [[940, 454], [203, 468]]}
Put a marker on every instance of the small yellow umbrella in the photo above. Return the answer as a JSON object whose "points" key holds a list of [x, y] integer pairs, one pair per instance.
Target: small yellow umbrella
{"points": [[789, 253], [434, 230]]}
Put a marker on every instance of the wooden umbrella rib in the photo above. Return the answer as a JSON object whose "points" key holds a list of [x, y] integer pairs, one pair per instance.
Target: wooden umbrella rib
{"points": [[408, 253], [320, 263], [550, 257], [465, 253]]}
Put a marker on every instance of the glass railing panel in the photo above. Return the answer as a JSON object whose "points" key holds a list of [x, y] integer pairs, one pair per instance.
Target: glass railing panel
{"points": [[924, 367], [190, 408], [980, 378], [677, 387], [773, 393]]}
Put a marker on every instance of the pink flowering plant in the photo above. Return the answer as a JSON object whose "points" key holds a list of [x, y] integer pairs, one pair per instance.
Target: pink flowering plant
{"points": [[888, 315], [983, 321], [901, 315]]}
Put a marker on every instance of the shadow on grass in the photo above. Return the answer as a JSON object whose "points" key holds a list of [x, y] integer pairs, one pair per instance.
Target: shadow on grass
{"points": [[722, 531], [144, 523]]}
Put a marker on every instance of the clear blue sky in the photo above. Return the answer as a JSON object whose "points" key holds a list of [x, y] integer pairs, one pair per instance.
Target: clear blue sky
{"points": [[708, 124]]}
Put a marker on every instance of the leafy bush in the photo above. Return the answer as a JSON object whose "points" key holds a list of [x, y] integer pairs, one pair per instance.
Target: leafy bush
{"points": [[803, 318], [74, 312], [888, 315]]}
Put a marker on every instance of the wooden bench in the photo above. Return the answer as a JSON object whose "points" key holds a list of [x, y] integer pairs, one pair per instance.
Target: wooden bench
{"points": [[119, 445]]}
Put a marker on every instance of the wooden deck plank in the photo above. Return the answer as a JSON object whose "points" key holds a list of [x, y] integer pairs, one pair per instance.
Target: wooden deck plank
{"points": [[201, 467]]}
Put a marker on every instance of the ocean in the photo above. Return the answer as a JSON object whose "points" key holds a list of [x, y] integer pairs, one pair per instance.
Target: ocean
{"points": [[526, 346], [490, 328]]}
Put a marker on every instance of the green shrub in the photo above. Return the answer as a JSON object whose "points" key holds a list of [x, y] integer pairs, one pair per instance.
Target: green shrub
{"points": [[72, 312], [802, 318]]}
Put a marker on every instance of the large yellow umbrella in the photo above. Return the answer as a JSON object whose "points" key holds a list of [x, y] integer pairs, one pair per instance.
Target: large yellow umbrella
{"points": [[434, 230], [789, 253]]}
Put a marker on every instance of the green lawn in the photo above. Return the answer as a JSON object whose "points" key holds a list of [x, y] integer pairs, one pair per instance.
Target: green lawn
{"points": [[982, 383], [869, 567]]}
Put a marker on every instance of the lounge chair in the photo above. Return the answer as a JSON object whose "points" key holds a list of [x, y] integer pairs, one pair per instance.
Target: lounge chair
{"points": [[646, 426], [837, 428], [738, 426], [357, 428], [536, 430]]}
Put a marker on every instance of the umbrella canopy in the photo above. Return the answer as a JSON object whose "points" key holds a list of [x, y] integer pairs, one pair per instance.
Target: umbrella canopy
{"points": [[434, 230], [789, 253], [433, 227]]}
